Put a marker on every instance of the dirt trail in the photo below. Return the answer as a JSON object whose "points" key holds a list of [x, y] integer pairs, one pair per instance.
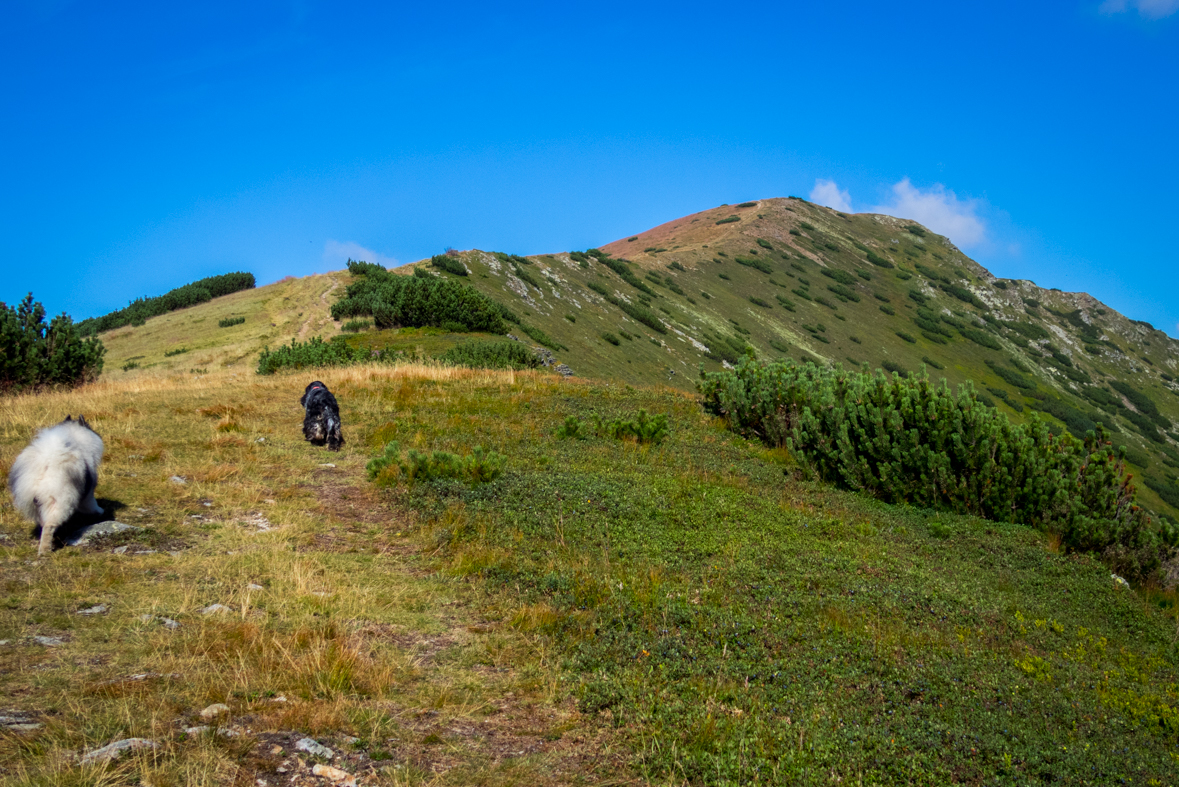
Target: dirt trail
{"points": [[306, 328]]}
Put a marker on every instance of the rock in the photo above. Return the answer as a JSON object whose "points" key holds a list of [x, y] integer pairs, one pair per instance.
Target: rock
{"points": [[120, 550], [260, 440], [329, 464], [24, 726], [113, 751], [214, 710], [197, 730], [87, 534], [178, 479], [214, 609], [314, 748], [335, 775], [564, 370], [168, 623], [49, 642], [19, 721], [1119, 581], [254, 586], [97, 609]]}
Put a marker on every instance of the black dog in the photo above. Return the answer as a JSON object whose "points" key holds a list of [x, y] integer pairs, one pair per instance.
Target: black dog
{"points": [[322, 422]]}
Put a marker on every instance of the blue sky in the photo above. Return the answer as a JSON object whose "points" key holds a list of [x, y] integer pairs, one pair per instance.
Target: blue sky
{"points": [[147, 145]]}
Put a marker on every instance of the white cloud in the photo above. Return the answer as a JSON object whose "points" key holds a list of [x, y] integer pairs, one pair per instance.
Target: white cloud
{"points": [[1151, 9], [939, 209], [337, 253], [827, 193]]}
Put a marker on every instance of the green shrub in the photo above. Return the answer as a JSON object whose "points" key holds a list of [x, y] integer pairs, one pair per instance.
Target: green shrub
{"points": [[33, 354], [642, 428], [795, 232], [864, 275], [802, 294], [747, 205], [884, 307], [229, 322], [311, 354], [919, 297], [445, 262], [981, 337], [759, 302], [931, 362], [729, 220], [675, 266], [705, 295], [824, 302], [572, 429], [780, 346], [843, 293], [753, 262], [636, 312], [724, 276], [1143, 403], [570, 318], [895, 368], [1010, 376], [141, 309], [806, 226], [624, 272], [907, 440], [878, 261], [394, 300], [918, 231], [906, 337], [130, 365], [765, 244], [542, 338], [1032, 302], [999, 284], [491, 354], [632, 240], [630, 337], [612, 339], [478, 468], [787, 304], [843, 277], [963, 294], [177, 351]]}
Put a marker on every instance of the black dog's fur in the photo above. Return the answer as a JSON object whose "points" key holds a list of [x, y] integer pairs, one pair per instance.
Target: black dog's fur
{"points": [[322, 422]]}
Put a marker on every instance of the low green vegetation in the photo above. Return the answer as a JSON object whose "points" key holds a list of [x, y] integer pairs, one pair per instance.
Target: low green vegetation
{"points": [[445, 262], [491, 354], [909, 440], [393, 300], [229, 322], [33, 354], [310, 354], [389, 467]]}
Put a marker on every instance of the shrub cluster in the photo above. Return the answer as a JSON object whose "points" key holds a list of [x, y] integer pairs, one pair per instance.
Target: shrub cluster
{"points": [[445, 262], [491, 354], [313, 353], [393, 300], [229, 322], [479, 467], [33, 354], [755, 263], [637, 312], [907, 440], [878, 261], [141, 309], [643, 428]]}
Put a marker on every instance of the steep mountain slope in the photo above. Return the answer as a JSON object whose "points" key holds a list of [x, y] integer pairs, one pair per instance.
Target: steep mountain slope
{"points": [[789, 278]]}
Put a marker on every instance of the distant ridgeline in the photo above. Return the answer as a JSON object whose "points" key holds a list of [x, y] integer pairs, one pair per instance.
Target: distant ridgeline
{"points": [[141, 309]]}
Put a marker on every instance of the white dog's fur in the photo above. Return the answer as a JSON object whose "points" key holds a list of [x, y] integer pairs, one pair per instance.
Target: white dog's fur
{"points": [[55, 477]]}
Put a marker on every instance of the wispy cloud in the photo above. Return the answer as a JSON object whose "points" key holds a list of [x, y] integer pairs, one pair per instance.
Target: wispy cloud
{"points": [[827, 193], [1150, 9], [337, 253], [939, 209]]}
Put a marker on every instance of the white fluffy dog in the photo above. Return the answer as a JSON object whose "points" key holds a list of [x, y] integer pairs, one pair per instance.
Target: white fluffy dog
{"points": [[54, 477]]}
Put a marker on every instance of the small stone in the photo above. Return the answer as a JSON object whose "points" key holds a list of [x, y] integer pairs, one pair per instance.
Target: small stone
{"points": [[335, 775], [24, 726], [206, 504], [88, 534], [120, 550], [327, 465], [314, 748], [112, 751], [197, 730], [97, 609], [169, 623], [254, 586], [275, 750], [49, 642], [213, 609], [214, 710], [177, 479], [279, 698], [260, 440]]}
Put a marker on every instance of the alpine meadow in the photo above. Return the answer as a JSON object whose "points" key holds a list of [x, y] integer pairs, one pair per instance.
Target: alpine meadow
{"points": [[768, 494]]}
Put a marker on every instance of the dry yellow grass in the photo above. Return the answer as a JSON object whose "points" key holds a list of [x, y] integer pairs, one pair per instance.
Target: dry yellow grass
{"points": [[337, 625]]}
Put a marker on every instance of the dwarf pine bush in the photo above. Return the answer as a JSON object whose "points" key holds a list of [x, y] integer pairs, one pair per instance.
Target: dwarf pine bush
{"points": [[479, 467], [394, 300], [33, 354], [910, 441], [491, 354], [313, 353]]}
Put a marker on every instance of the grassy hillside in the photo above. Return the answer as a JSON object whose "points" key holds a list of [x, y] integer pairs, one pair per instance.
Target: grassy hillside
{"points": [[787, 278], [606, 612]]}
